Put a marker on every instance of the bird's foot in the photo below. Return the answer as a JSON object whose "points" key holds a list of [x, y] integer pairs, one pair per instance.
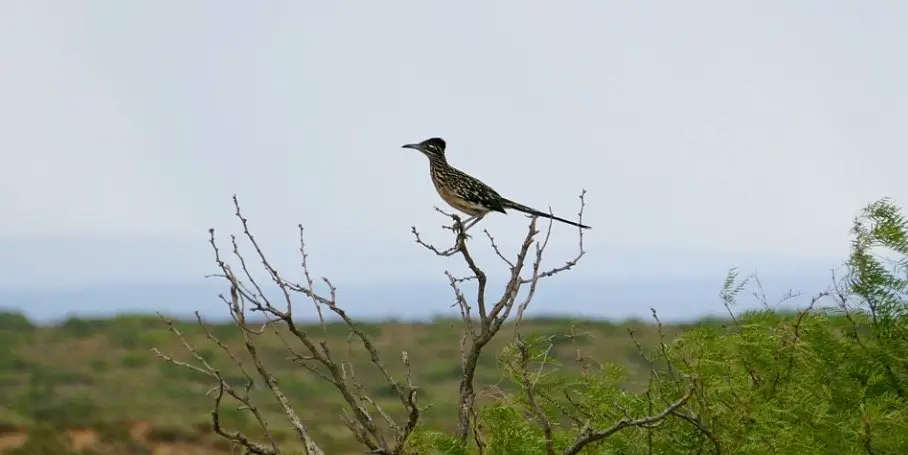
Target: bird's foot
{"points": [[457, 232]]}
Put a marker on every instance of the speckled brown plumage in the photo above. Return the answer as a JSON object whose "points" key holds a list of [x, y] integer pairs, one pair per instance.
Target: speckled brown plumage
{"points": [[466, 193]]}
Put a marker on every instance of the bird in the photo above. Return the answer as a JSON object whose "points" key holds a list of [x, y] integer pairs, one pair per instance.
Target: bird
{"points": [[467, 193]]}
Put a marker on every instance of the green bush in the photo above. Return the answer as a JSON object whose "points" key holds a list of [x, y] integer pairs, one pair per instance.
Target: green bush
{"points": [[81, 328], [136, 360], [135, 331], [64, 412], [15, 330], [14, 322], [48, 376], [14, 362], [443, 372], [830, 378], [99, 365]]}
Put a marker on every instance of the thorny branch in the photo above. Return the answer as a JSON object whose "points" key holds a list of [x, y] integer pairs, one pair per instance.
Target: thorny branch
{"points": [[313, 355], [240, 395], [493, 314], [589, 435]]}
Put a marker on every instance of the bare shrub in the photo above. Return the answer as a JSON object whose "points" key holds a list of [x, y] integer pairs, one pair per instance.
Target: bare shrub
{"points": [[376, 428]]}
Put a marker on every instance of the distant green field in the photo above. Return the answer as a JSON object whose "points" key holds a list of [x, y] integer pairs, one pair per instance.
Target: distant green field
{"points": [[102, 372]]}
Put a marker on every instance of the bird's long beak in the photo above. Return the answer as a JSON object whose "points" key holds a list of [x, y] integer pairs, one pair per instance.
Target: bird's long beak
{"points": [[411, 146]]}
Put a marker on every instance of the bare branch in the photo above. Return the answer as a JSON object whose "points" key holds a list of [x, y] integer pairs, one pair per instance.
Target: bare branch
{"points": [[581, 252], [448, 252], [490, 323], [588, 435], [491, 315], [315, 357], [248, 293], [497, 251], [225, 387]]}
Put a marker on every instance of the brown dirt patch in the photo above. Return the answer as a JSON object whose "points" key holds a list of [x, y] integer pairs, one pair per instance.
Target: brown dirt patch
{"points": [[12, 440], [140, 430], [180, 449], [83, 438]]}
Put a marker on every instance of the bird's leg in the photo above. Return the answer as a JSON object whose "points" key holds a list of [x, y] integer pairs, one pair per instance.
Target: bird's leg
{"points": [[467, 221], [473, 221]]}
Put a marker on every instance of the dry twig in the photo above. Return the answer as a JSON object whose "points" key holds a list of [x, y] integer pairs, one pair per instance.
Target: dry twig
{"points": [[246, 293], [491, 318], [316, 356]]}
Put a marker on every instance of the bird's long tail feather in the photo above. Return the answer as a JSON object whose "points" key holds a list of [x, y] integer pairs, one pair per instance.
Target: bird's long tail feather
{"points": [[508, 204]]}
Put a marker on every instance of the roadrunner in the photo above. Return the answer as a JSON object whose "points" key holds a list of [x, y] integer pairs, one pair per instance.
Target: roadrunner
{"points": [[468, 194]]}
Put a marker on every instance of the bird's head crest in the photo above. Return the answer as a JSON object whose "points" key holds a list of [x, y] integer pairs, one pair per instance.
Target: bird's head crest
{"points": [[435, 142], [434, 147]]}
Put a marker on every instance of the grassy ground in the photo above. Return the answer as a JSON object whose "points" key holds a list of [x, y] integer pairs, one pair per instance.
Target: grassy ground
{"points": [[102, 374]]}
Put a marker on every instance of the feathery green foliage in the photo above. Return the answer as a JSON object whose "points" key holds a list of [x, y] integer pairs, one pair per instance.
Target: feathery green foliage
{"points": [[829, 378]]}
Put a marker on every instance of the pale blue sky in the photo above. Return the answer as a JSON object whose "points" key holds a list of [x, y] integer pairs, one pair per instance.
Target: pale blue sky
{"points": [[701, 129]]}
